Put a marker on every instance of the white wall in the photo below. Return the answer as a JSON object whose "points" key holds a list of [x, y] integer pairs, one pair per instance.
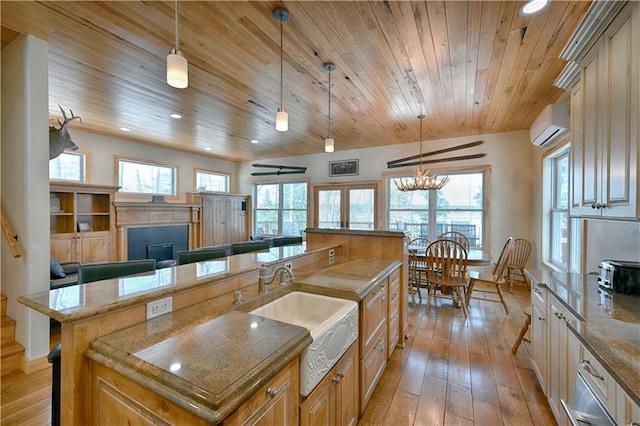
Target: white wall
{"points": [[25, 184], [511, 186], [101, 163]]}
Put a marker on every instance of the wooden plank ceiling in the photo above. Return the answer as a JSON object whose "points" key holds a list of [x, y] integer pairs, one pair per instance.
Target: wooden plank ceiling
{"points": [[472, 67]]}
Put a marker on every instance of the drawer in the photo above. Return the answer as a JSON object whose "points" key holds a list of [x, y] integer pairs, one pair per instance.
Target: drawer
{"points": [[374, 315], [372, 366], [394, 332], [394, 278], [539, 296], [597, 378]]}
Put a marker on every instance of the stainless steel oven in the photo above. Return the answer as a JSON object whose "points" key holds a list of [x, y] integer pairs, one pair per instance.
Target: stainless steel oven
{"points": [[586, 409]]}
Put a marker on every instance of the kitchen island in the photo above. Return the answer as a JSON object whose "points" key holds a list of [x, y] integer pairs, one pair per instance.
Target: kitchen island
{"points": [[203, 302]]}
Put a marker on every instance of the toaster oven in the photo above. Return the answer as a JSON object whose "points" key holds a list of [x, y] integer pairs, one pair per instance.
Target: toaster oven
{"points": [[620, 276]]}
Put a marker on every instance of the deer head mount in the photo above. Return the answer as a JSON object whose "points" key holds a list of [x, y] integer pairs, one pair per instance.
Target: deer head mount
{"points": [[59, 139]]}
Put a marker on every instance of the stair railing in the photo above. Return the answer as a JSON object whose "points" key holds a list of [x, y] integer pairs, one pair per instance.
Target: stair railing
{"points": [[12, 238]]}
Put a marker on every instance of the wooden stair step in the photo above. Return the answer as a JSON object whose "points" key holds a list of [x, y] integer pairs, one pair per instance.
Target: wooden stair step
{"points": [[8, 329], [3, 301], [11, 354]]}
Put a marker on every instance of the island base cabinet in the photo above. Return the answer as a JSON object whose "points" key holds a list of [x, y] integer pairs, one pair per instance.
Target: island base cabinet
{"points": [[117, 400], [334, 402], [275, 404], [627, 412], [373, 365]]}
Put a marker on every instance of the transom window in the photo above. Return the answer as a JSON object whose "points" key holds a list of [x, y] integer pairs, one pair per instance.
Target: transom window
{"points": [[142, 177], [280, 208], [211, 181], [459, 206], [69, 166]]}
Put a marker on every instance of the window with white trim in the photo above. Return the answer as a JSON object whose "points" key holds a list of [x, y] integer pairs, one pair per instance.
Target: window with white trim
{"points": [[280, 208], [211, 181], [141, 177], [557, 196], [459, 206], [69, 166]]}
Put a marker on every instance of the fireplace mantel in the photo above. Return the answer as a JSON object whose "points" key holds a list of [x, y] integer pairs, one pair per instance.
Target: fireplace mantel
{"points": [[137, 215]]}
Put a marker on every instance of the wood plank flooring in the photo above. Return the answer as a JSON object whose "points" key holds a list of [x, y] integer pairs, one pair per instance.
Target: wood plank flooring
{"points": [[452, 373], [449, 373]]}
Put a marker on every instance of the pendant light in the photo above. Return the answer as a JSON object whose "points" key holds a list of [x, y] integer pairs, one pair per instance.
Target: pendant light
{"points": [[422, 180], [282, 118], [177, 66], [329, 144]]}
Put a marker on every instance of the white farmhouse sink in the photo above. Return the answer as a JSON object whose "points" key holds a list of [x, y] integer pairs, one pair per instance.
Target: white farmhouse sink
{"points": [[332, 322]]}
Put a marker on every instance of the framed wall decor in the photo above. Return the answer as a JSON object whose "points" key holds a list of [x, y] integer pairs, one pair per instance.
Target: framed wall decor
{"points": [[343, 168]]}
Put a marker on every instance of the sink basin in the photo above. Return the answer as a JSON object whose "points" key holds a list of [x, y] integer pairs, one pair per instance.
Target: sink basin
{"points": [[332, 323]]}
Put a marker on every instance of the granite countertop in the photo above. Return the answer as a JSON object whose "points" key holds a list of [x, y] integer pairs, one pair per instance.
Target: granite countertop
{"points": [[349, 231], [245, 358], [86, 300], [609, 323], [208, 369]]}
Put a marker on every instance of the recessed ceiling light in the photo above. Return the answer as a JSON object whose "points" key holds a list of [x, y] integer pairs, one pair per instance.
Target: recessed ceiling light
{"points": [[125, 129], [175, 115], [254, 140], [533, 6], [208, 148]]}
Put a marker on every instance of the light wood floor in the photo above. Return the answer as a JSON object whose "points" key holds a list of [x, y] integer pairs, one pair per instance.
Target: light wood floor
{"points": [[448, 373], [452, 373]]}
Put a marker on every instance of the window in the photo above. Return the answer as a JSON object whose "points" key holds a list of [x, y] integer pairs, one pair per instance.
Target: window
{"points": [[558, 201], [280, 208], [68, 166], [211, 181], [140, 177], [459, 206]]}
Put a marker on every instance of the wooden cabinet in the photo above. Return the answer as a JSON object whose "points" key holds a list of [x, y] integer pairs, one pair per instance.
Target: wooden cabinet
{"points": [[81, 222], [539, 333], [393, 312], [605, 117], [627, 411], [275, 404], [224, 217], [335, 400], [373, 340]]}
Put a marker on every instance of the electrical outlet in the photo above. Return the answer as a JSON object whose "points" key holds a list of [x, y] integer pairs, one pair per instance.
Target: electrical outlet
{"points": [[331, 252], [159, 307], [288, 265]]}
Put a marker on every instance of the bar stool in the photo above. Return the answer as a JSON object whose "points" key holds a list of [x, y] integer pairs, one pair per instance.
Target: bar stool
{"points": [[523, 330]]}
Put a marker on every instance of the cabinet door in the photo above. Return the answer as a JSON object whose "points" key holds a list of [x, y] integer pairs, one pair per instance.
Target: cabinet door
{"points": [[63, 248], [373, 365], [627, 411], [620, 131], [319, 408], [374, 314], [347, 388], [94, 247], [577, 152], [539, 344], [557, 360]]}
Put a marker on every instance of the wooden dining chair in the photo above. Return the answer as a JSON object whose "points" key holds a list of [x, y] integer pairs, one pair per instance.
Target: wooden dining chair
{"points": [[417, 275], [446, 269], [518, 260], [491, 282], [456, 236]]}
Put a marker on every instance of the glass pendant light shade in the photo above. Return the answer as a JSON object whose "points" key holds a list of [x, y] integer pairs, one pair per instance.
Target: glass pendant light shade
{"points": [[177, 70], [329, 145], [282, 120]]}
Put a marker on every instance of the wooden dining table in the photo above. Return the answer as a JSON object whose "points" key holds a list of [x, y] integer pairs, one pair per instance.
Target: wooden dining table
{"points": [[475, 257]]}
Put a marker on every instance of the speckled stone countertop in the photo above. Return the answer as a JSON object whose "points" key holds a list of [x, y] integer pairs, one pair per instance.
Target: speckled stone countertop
{"points": [[609, 327], [223, 360], [198, 370], [86, 300], [348, 231]]}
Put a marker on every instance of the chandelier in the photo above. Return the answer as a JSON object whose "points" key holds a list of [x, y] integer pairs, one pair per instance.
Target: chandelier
{"points": [[422, 180]]}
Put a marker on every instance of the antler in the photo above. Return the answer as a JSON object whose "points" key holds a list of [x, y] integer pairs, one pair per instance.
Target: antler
{"points": [[66, 120]]}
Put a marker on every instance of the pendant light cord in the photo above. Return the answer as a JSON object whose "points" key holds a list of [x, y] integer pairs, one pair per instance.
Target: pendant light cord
{"points": [[177, 44], [421, 117], [281, 59], [329, 104]]}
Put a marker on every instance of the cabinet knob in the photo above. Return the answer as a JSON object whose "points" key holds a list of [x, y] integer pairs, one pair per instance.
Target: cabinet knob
{"points": [[598, 206], [340, 374], [542, 319], [593, 206], [336, 379], [272, 391]]}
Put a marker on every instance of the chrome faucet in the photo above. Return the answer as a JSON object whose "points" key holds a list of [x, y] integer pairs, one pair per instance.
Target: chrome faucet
{"points": [[286, 277]]}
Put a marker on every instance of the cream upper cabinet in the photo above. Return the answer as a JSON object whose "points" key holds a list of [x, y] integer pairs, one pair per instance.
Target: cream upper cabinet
{"points": [[605, 123]]}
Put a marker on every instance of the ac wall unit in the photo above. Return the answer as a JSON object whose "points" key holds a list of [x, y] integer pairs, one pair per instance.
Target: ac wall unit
{"points": [[551, 124]]}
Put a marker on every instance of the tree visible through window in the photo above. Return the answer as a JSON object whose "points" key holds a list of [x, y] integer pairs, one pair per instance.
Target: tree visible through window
{"points": [[211, 181], [68, 166], [459, 206], [146, 178], [280, 208], [559, 214]]}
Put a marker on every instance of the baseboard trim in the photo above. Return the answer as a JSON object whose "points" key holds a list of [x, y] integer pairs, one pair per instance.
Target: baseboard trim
{"points": [[29, 366]]}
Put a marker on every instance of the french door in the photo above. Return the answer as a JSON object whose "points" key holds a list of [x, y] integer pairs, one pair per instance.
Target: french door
{"points": [[346, 206]]}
